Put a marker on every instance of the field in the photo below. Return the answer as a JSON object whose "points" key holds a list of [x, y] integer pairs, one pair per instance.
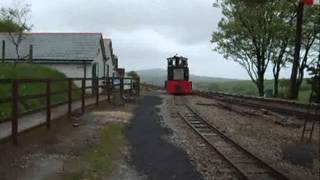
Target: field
{"points": [[24, 71], [246, 87], [242, 87]]}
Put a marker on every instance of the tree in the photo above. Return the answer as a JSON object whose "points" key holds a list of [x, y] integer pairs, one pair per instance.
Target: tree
{"points": [[6, 26], [246, 34], [15, 22], [304, 40], [308, 53], [283, 88], [256, 33], [279, 60], [133, 74], [293, 92], [314, 71], [282, 40], [281, 37]]}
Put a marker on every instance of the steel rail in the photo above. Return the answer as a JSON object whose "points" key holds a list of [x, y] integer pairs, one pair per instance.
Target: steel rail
{"points": [[284, 107], [207, 141], [271, 171]]}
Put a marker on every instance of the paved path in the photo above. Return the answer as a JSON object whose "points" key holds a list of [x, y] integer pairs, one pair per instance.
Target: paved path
{"points": [[151, 154], [36, 119]]}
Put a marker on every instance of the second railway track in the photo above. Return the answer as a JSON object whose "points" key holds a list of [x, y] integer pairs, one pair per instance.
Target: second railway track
{"points": [[247, 165]]}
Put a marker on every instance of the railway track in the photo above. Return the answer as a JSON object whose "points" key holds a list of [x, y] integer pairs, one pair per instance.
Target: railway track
{"points": [[280, 106], [247, 165]]}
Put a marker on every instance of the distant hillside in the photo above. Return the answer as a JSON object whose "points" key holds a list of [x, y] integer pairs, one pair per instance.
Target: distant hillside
{"points": [[242, 87], [159, 76]]}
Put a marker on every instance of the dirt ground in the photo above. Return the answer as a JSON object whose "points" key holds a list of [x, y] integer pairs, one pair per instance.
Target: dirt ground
{"points": [[132, 135], [50, 154]]}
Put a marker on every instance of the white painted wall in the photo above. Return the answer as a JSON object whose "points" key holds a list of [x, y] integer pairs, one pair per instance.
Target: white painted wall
{"points": [[111, 67], [108, 51], [77, 71], [70, 70]]}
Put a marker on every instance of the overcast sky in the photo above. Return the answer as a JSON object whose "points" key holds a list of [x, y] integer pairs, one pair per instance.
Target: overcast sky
{"points": [[144, 32]]}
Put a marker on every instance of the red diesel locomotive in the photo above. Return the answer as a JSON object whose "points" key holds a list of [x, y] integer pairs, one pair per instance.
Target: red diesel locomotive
{"points": [[178, 76]]}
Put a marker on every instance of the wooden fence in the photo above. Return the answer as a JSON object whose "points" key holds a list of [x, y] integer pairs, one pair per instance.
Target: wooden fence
{"points": [[99, 86]]}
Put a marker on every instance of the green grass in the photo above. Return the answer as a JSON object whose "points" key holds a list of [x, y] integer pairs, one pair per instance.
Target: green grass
{"points": [[246, 87], [30, 71], [99, 160]]}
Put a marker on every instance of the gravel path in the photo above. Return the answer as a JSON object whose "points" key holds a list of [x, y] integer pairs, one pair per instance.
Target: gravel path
{"points": [[48, 154], [151, 154]]}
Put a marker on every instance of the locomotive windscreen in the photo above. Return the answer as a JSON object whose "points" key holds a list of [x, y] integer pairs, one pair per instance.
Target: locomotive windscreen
{"points": [[178, 74]]}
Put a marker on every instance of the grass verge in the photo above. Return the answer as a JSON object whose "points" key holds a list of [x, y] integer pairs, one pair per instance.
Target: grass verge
{"points": [[31, 71], [99, 161], [246, 87]]}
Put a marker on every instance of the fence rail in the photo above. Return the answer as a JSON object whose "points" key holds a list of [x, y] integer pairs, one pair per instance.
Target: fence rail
{"points": [[100, 86]]}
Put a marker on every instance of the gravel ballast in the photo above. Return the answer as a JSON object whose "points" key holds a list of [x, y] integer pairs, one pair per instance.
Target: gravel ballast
{"points": [[261, 134], [208, 162]]}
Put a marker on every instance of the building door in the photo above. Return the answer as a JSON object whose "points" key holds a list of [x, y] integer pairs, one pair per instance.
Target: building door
{"points": [[94, 78]]}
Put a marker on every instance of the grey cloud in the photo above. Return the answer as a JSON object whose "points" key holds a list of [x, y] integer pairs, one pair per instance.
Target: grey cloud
{"points": [[144, 32], [185, 21]]}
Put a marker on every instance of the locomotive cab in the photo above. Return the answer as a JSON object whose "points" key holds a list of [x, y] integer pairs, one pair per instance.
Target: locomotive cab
{"points": [[178, 76]]}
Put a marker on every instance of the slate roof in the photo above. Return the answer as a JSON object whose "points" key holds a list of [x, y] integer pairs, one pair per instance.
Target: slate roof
{"points": [[56, 46]]}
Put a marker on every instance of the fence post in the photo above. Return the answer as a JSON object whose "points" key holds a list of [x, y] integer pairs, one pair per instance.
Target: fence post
{"points": [[97, 91], [83, 91], [121, 86], [48, 95], [3, 50], [131, 90], [69, 98], [108, 88], [14, 111], [112, 84], [92, 86], [30, 53], [138, 86]]}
